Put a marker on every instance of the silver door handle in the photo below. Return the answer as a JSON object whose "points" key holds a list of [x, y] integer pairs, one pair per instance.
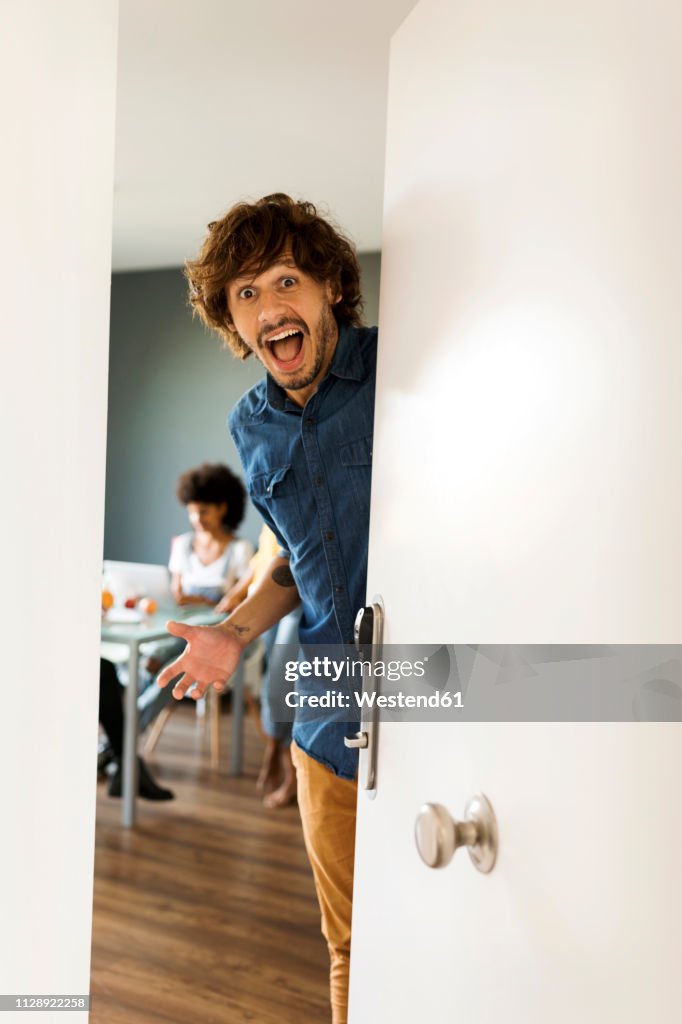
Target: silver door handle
{"points": [[358, 742], [439, 836], [369, 624]]}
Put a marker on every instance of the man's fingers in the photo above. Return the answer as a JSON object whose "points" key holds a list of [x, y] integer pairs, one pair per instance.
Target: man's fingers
{"points": [[168, 674], [201, 689], [182, 686], [180, 629]]}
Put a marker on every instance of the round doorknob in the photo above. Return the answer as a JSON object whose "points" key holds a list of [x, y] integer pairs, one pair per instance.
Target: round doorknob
{"points": [[439, 837]]}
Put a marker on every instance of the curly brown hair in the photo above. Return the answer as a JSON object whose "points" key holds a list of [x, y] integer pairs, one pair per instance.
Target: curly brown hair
{"points": [[212, 483], [251, 237]]}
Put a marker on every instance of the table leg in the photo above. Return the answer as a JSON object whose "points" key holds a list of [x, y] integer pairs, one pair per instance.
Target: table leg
{"points": [[214, 727], [237, 755], [129, 788]]}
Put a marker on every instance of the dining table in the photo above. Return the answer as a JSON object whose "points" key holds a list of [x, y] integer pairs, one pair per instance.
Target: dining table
{"points": [[122, 636]]}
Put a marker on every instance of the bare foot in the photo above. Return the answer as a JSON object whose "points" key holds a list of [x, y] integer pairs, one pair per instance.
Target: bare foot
{"points": [[282, 796], [269, 774], [285, 793]]}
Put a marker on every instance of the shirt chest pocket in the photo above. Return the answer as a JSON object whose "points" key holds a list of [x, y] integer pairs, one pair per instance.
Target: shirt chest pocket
{"points": [[276, 493], [356, 460]]}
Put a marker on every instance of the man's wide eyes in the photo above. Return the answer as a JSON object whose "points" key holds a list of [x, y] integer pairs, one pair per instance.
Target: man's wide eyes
{"points": [[248, 292]]}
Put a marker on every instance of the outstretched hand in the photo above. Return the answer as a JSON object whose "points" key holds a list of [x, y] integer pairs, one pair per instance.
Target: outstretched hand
{"points": [[209, 659]]}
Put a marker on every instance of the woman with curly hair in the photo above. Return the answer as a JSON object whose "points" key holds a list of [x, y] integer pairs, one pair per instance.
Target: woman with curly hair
{"points": [[208, 560]]}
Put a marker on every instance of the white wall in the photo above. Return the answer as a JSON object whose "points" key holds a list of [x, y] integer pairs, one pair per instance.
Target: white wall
{"points": [[57, 82]]}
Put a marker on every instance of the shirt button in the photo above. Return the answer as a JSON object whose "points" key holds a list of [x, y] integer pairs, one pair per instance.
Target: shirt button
{"points": [[309, 423], [339, 590], [317, 480], [329, 535]]}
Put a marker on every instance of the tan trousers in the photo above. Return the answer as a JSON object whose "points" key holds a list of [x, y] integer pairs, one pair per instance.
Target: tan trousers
{"points": [[327, 806]]}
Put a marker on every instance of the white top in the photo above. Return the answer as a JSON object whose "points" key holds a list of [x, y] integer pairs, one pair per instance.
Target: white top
{"points": [[197, 578]]}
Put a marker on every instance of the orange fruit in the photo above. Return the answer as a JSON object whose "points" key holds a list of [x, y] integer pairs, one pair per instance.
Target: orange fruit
{"points": [[148, 606], [107, 600]]}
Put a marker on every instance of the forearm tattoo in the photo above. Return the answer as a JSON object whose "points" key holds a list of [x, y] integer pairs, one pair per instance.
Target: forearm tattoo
{"points": [[237, 630], [282, 576]]}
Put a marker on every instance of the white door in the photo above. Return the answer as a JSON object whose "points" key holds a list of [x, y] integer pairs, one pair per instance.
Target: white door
{"points": [[527, 488], [58, 87]]}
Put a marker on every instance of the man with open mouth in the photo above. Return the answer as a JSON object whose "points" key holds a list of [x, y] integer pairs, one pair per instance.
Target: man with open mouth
{"points": [[276, 280]]}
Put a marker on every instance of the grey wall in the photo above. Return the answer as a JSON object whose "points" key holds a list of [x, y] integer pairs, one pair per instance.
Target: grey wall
{"points": [[171, 386]]}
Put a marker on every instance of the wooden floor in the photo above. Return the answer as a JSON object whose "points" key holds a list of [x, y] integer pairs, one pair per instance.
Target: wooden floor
{"points": [[205, 911]]}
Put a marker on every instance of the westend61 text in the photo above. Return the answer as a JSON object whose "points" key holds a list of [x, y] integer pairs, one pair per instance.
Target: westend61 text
{"points": [[332, 699]]}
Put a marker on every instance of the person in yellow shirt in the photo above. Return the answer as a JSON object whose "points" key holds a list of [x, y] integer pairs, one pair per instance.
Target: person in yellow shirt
{"points": [[277, 777]]}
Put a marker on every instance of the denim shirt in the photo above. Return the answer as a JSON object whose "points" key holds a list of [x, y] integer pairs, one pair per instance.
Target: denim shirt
{"points": [[308, 472]]}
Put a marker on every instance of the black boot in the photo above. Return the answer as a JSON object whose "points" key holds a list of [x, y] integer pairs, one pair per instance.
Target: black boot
{"points": [[105, 756], [146, 787]]}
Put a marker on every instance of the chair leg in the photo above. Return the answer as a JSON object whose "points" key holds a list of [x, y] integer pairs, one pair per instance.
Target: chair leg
{"points": [[214, 716], [253, 707], [157, 728]]}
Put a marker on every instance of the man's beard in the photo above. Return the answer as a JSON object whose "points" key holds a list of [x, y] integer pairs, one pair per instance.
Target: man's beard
{"points": [[327, 332]]}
